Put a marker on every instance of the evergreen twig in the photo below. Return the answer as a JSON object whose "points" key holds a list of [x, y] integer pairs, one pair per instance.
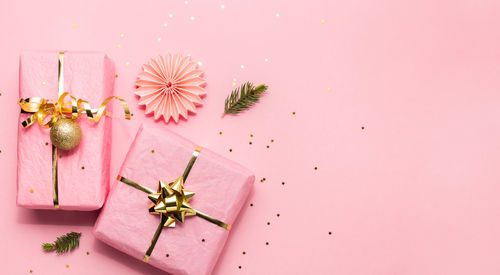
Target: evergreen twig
{"points": [[64, 243], [243, 97]]}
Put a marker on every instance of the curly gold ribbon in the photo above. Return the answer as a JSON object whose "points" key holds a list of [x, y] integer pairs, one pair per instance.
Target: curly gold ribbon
{"points": [[41, 108], [171, 202]]}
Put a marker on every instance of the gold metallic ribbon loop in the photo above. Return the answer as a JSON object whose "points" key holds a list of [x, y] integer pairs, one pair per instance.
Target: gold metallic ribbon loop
{"points": [[171, 202]]}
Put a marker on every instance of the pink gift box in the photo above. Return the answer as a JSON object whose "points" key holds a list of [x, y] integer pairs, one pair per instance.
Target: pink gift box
{"points": [[83, 172], [221, 187]]}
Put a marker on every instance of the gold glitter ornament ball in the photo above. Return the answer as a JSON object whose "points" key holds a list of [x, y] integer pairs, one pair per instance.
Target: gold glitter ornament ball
{"points": [[65, 134]]}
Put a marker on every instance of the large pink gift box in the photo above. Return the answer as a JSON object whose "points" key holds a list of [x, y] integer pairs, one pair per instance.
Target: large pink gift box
{"points": [[221, 187], [83, 172]]}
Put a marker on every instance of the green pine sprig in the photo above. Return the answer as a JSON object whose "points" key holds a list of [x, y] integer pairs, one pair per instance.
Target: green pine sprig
{"points": [[243, 98], [64, 243]]}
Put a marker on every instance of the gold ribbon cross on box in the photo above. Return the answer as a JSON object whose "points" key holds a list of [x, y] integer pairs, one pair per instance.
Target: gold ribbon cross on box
{"points": [[171, 202]]}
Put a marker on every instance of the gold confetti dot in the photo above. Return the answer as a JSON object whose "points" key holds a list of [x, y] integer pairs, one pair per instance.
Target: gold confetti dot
{"points": [[116, 76], [328, 89], [293, 113], [362, 127], [46, 143], [83, 167], [44, 83], [267, 146], [131, 114], [60, 156], [220, 133], [31, 191], [74, 25], [272, 140], [251, 135], [230, 150], [0, 94], [153, 151], [322, 20], [88, 253], [250, 143], [122, 35], [119, 46], [67, 266], [127, 63], [31, 271]]}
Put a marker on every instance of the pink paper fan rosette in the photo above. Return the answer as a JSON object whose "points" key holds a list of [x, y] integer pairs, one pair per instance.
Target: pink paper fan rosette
{"points": [[170, 86]]}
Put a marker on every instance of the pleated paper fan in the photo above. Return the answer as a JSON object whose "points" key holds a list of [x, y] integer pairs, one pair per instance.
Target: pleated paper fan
{"points": [[170, 86]]}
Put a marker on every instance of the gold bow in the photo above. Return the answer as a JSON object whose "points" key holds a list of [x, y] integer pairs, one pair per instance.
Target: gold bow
{"points": [[171, 202], [42, 108]]}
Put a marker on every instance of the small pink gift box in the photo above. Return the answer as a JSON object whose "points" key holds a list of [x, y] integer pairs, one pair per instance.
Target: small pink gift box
{"points": [[221, 187], [83, 172]]}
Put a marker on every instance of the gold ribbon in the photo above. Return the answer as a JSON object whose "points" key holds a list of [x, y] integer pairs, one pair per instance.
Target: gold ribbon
{"points": [[41, 108], [171, 202]]}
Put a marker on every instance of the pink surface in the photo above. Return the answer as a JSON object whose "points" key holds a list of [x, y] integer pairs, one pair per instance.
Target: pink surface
{"points": [[415, 192], [221, 188], [83, 172]]}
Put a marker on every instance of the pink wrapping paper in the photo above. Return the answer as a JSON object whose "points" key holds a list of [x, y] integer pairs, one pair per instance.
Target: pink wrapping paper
{"points": [[87, 75], [221, 188]]}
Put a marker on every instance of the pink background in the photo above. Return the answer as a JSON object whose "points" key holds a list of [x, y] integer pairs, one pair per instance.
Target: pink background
{"points": [[414, 192]]}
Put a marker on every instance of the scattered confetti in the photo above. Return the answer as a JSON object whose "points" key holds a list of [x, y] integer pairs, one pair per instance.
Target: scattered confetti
{"points": [[234, 79], [159, 38], [119, 46], [74, 25], [186, 2], [244, 253], [277, 215], [277, 14], [328, 89], [315, 168], [31, 271], [272, 140], [83, 167], [267, 243], [268, 223], [362, 127], [167, 255], [170, 15], [116, 76], [322, 20], [251, 204], [31, 191], [330, 233], [203, 240], [67, 266], [43, 82], [239, 266], [234, 84], [165, 25], [283, 183], [122, 35], [220, 133], [265, 59], [127, 63], [222, 6], [46, 143], [267, 146], [230, 150], [88, 253], [293, 113], [152, 151], [250, 143], [242, 66], [251, 135], [192, 18]]}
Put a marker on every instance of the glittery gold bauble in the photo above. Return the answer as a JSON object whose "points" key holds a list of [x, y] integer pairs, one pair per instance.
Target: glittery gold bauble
{"points": [[65, 134]]}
